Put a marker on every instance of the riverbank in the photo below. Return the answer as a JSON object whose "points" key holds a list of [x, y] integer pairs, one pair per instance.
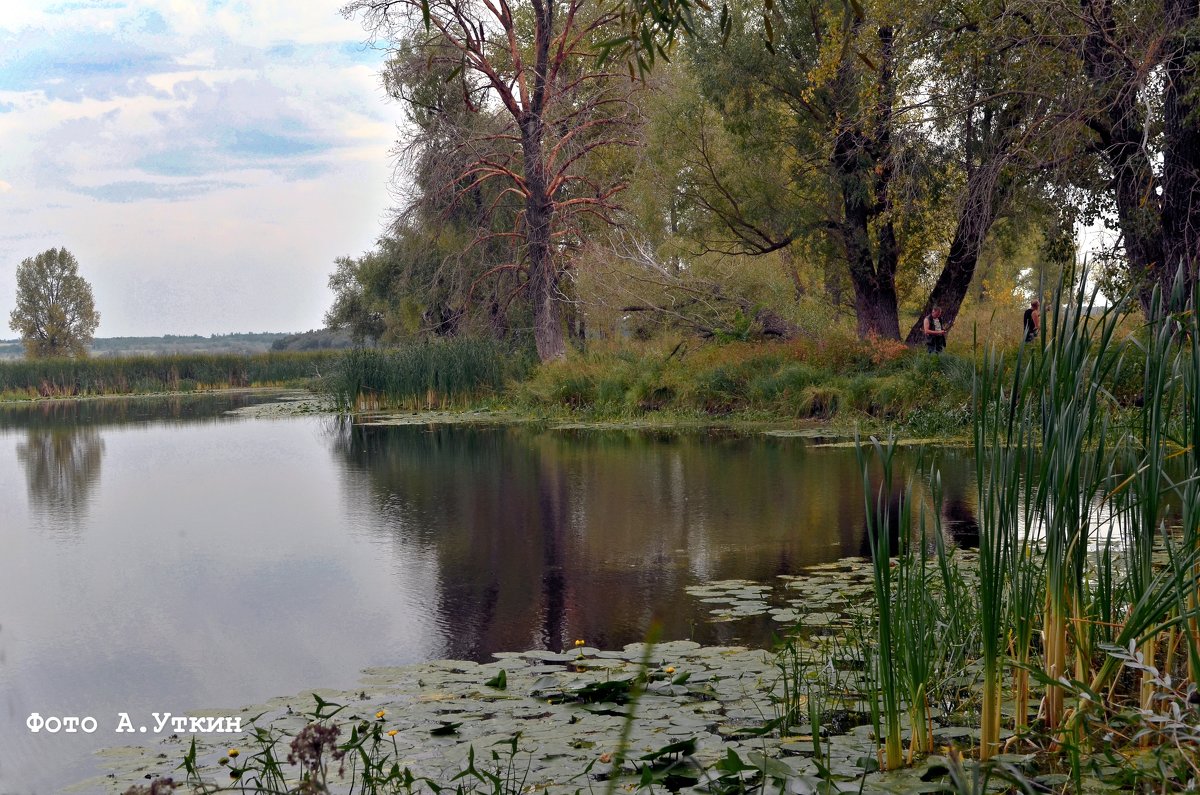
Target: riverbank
{"points": [[847, 383]]}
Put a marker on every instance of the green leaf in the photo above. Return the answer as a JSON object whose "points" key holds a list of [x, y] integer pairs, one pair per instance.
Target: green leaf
{"points": [[447, 728], [682, 748]]}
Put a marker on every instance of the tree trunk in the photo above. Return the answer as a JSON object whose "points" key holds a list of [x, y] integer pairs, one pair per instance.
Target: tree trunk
{"points": [[1121, 128], [543, 273], [1181, 156], [986, 194], [862, 165], [539, 205]]}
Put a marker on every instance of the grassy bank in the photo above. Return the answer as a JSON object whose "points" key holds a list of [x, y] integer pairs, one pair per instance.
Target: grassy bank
{"points": [[790, 381], [842, 380], [27, 379]]}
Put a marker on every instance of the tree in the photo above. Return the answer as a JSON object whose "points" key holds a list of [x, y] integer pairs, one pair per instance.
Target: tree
{"points": [[55, 314], [536, 65], [1138, 58]]}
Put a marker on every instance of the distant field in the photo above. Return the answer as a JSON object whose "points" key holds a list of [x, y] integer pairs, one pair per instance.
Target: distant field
{"points": [[171, 344]]}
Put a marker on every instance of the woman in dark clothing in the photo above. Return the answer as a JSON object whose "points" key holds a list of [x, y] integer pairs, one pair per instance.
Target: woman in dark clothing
{"points": [[1032, 322]]}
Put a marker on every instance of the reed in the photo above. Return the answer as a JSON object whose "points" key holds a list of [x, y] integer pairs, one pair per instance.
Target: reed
{"points": [[1068, 396], [882, 514], [999, 436], [1188, 490], [447, 373], [32, 378], [917, 614], [1147, 462]]}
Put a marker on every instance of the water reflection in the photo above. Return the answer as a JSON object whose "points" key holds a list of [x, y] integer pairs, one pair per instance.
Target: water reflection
{"points": [[62, 468], [120, 411], [960, 498], [276, 557], [547, 536]]}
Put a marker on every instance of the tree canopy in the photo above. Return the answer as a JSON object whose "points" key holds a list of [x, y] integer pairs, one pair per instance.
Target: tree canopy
{"points": [[55, 313], [764, 160]]}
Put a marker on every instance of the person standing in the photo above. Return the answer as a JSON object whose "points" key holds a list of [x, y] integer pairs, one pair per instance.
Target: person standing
{"points": [[1032, 321], [935, 332]]}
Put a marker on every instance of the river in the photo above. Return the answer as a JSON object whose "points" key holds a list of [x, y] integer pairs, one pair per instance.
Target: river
{"points": [[175, 554]]}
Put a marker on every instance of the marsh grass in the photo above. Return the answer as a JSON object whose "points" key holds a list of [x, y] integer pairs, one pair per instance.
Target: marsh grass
{"points": [[424, 375], [34, 378]]}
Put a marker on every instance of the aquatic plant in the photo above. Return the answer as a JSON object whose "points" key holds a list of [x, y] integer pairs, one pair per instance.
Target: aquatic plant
{"points": [[162, 373], [422, 374], [882, 514]]}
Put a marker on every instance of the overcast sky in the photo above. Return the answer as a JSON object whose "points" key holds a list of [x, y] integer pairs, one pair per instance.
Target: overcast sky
{"points": [[205, 160]]}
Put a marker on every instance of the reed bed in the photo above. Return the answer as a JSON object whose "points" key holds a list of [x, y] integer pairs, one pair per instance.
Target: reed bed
{"points": [[1087, 575], [442, 374], [170, 373]]}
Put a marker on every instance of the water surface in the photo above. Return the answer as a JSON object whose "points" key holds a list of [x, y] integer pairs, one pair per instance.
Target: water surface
{"points": [[166, 555]]}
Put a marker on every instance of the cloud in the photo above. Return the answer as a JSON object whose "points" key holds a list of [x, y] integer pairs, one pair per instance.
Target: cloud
{"points": [[128, 124], [131, 191]]}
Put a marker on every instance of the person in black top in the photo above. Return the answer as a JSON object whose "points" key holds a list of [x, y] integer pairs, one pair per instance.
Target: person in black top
{"points": [[935, 333], [1032, 321]]}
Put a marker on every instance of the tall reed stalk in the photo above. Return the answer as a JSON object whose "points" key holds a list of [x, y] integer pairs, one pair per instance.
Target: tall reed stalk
{"points": [[879, 506], [1147, 463], [1189, 490], [1069, 393], [916, 614], [999, 437]]}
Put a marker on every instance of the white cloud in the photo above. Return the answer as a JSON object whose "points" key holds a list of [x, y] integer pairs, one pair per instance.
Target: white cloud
{"points": [[205, 163]]}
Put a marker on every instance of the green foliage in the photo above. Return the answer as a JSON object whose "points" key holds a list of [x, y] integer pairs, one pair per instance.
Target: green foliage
{"points": [[430, 374], [799, 380], [177, 373], [55, 314]]}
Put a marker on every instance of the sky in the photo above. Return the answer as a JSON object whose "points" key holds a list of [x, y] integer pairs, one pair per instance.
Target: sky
{"points": [[204, 160]]}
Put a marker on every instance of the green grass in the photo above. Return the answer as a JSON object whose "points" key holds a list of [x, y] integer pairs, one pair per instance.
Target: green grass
{"points": [[170, 373], [911, 390], [447, 373]]}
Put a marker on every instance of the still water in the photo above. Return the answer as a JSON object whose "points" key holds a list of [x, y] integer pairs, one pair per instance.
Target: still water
{"points": [[166, 555]]}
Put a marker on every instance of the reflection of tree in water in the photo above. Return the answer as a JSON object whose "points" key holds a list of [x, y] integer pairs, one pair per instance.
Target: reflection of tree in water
{"points": [[62, 467], [539, 538], [959, 498]]}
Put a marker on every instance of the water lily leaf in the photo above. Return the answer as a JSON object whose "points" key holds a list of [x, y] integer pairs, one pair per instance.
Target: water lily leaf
{"points": [[544, 684], [770, 767], [682, 748]]}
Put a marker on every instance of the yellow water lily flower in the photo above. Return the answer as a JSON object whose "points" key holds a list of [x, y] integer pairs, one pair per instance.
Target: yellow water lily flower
{"points": [[380, 714]]}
